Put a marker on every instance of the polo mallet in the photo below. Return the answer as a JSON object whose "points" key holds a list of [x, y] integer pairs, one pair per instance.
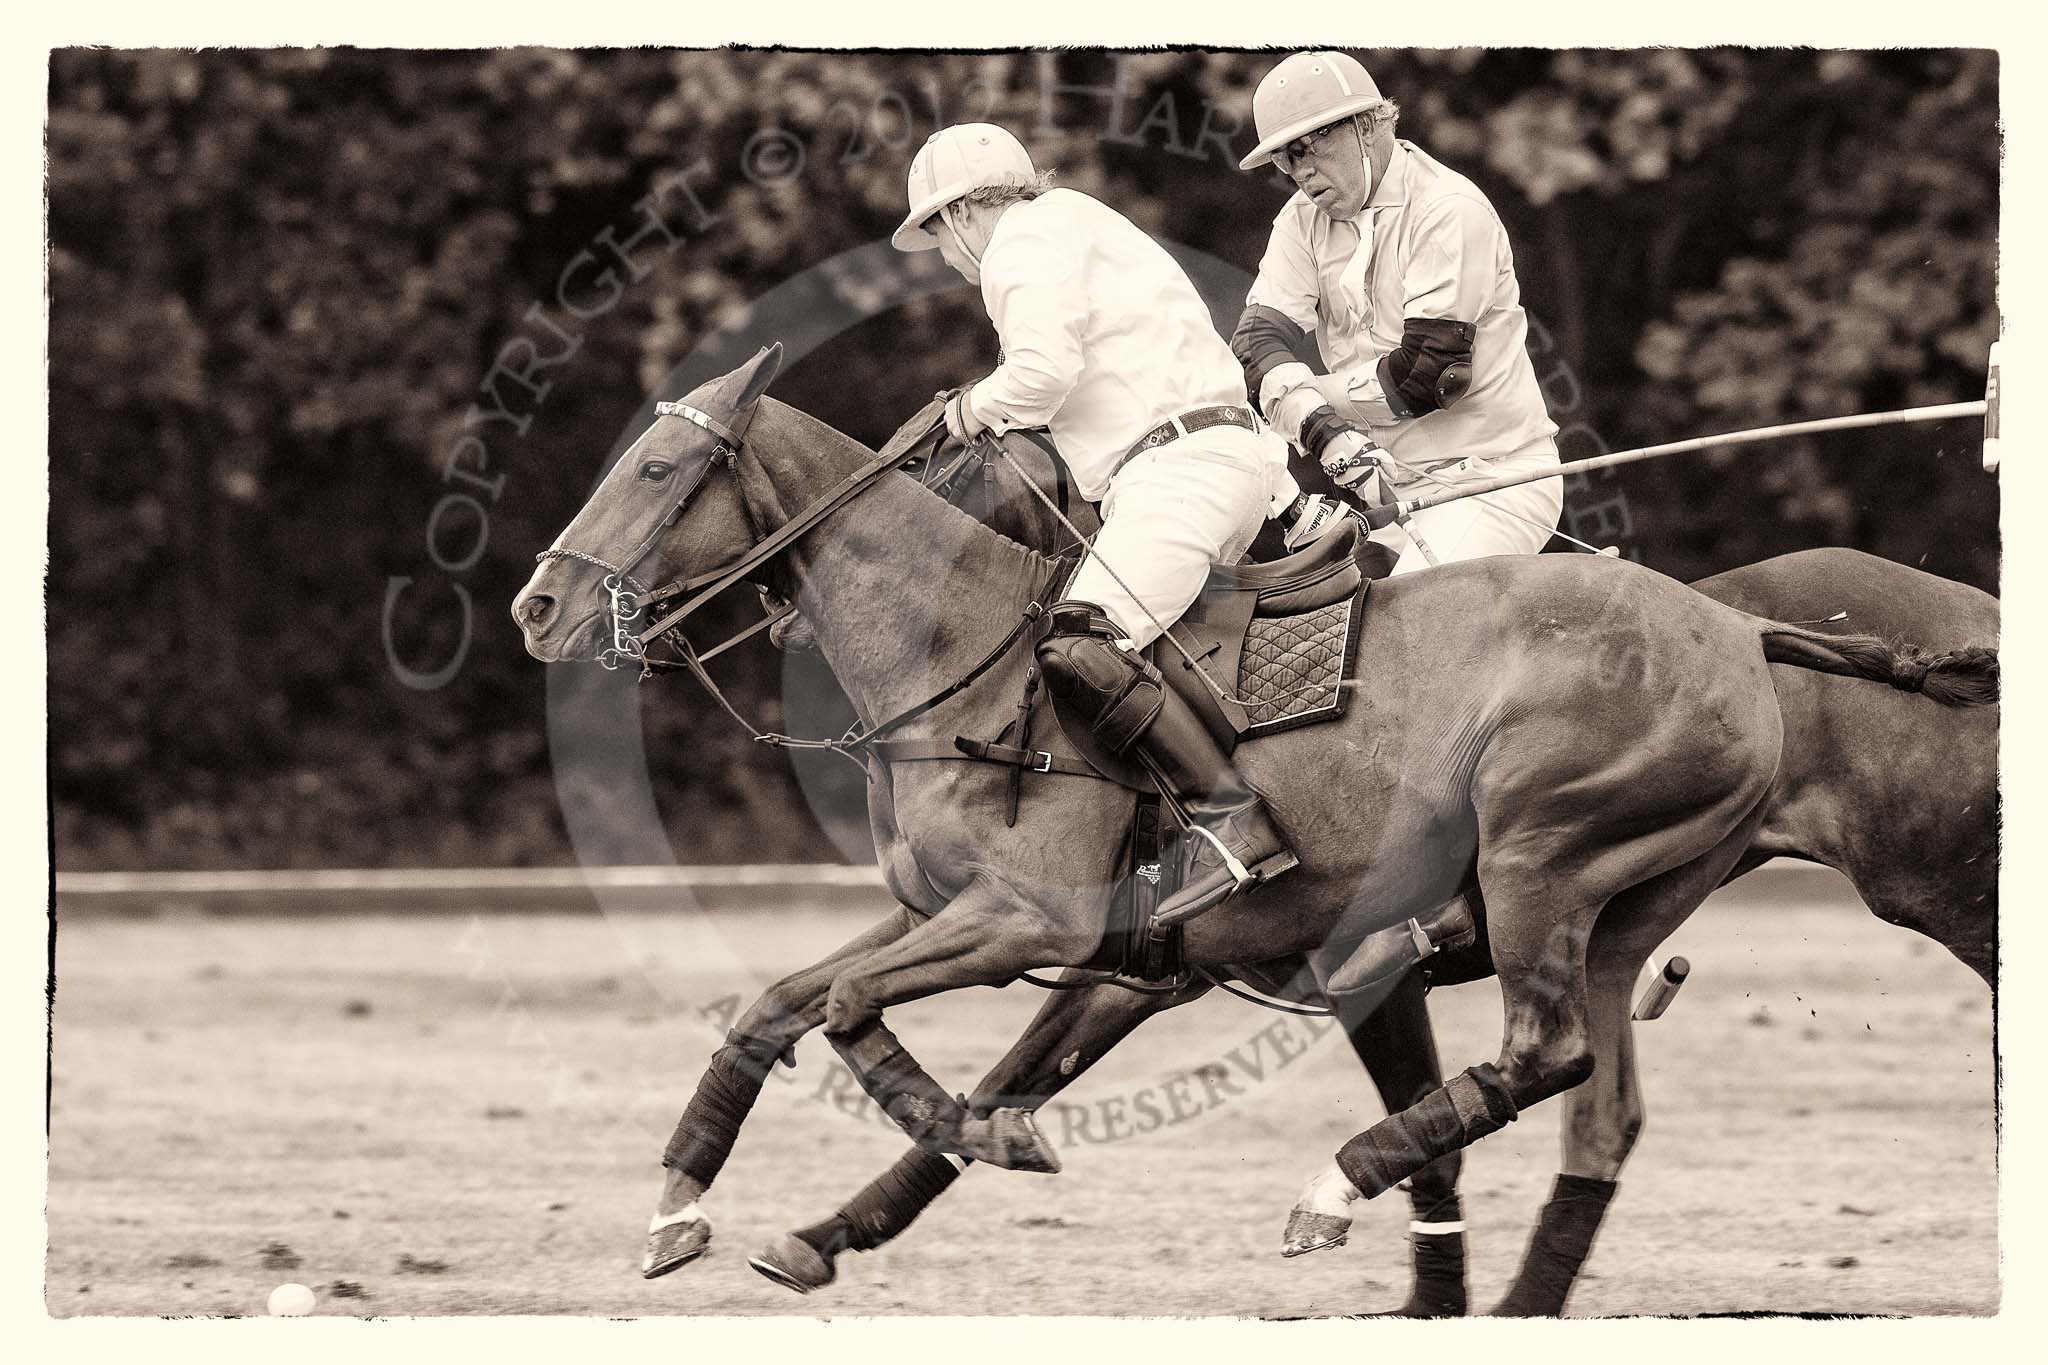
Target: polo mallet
{"points": [[1388, 513], [1663, 990]]}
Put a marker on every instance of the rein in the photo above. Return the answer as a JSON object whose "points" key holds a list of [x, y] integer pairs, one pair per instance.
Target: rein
{"points": [[629, 598], [850, 744]]}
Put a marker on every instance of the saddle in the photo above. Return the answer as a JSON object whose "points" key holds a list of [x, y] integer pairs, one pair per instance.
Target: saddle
{"points": [[1278, 640], [1275, 643]]}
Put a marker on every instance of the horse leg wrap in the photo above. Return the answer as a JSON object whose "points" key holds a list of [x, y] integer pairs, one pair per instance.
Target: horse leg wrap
{"points": [[1473, 1104], [1559, 1246], [895, 1081], [1438, 1238], [711, 1124], [888, 1205]]}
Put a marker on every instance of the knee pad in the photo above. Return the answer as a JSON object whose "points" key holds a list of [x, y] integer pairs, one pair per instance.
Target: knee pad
{"points": [[1114, 691]]}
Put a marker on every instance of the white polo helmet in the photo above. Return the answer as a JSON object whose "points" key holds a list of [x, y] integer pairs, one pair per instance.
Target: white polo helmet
{"points": [[953, 161], [1309, 90]]}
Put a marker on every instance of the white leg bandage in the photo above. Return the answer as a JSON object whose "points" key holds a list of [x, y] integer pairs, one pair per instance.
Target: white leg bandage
{"points": [[688, 1213]]}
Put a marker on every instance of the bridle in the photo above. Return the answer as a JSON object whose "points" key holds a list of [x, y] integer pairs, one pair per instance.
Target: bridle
{"points": [[858, 743], [629, 598]]}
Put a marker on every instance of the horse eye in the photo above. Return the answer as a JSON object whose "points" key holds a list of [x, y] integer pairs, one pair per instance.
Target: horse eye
{"points": [[654, 471]]}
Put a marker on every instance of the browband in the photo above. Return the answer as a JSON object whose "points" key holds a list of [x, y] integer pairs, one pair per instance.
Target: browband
{"points": [[702, 419]]}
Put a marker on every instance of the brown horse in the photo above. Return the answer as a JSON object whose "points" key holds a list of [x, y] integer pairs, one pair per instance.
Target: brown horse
{"points": [[1897, 795], [1584, 732]]}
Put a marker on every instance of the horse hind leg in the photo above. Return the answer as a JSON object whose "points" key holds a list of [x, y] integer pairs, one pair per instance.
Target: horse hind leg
{"points": [[1961, 914], [1601, 1122], [1604, 1116], [1540, 926], [1071, 1032], [1545, 1049]]}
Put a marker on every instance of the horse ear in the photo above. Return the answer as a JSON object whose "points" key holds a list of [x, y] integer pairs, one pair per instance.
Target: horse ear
{"points": [[752, 379]]}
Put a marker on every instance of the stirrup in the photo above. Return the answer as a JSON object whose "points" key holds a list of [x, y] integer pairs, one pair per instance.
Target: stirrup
{"points": [[1244, 875], [1425, 947]]}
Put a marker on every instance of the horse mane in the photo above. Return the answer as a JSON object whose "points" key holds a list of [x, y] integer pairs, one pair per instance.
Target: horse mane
{"points": [[816, 434]]}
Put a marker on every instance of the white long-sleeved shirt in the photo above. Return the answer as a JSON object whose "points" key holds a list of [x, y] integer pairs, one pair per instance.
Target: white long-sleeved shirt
{"points": [[1438, 250], [1104, 336]]}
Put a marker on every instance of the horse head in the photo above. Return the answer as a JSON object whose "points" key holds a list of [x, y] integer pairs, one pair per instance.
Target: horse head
{"points": [[585, 598]]}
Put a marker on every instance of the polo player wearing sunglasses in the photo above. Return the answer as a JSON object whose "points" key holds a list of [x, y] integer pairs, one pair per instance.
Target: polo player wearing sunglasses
{"points": [[1393, 272], [1106, 343]]}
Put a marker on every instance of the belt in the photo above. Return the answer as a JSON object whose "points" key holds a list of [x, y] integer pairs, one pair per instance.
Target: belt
{"points": [[1200, 419]]}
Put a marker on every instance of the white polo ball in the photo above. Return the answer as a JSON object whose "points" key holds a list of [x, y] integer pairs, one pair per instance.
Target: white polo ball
{"points": [[291, 1301]]}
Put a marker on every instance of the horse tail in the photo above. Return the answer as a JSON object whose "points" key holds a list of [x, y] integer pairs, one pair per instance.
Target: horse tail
{"points": [[1961, 677]]}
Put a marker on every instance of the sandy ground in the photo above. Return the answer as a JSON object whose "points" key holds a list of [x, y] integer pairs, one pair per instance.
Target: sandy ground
{"points": [[447, 1113]]}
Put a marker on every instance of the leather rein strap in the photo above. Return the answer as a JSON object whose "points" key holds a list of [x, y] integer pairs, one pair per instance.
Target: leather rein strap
{"points": [[852, 744], [718, 580]]}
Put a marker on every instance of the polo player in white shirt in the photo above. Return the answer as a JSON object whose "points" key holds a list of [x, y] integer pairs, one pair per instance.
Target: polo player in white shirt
{"points": [[1106, 342], [1395, 272]]}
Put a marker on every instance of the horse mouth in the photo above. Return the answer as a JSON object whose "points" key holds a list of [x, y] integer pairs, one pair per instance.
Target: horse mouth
{"points": [[577, 644]]}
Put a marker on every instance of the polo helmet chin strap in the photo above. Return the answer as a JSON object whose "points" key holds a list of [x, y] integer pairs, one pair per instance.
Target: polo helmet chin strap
{"points": [[1365, 156], [955, 217]]}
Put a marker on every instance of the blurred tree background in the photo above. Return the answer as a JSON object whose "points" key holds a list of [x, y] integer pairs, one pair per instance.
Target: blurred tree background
{"points": [[280, 280]]}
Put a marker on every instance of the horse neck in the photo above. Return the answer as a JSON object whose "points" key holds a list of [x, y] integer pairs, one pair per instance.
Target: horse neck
{"points": [[1022, 492], [906, 592]]}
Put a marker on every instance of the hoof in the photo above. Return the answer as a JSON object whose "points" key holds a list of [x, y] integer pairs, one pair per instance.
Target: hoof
{"points": [[1309, 1231], [795, 1264], [675, 1241], [1321, 1217], [1010, 1139]]}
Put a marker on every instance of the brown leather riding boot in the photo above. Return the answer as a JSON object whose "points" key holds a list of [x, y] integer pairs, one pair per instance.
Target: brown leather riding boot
{"points": [[1383, 956], [1129, 709]]}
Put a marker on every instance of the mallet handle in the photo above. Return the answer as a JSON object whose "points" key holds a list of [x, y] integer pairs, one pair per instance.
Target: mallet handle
{"points": [[1664, 989], [1940, 412]]}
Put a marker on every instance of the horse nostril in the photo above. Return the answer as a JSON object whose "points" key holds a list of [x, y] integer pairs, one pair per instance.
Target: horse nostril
{"points": [[534, 609]]}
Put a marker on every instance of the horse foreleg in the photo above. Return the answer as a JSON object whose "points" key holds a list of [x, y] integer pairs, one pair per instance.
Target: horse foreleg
{"points": [[1395, 1043], [983, 938], [1544, 1050], [679, 1232], [1071, 1032]]}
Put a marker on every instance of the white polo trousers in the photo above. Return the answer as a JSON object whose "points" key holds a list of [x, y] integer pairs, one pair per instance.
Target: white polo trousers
{"points": [[1473, 528], [1170, 513]]}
